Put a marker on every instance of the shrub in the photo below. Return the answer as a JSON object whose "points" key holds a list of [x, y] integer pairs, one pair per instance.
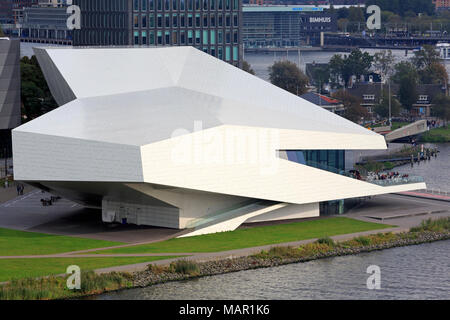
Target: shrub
{"points": [[327, 240], [435, 225], [185, 267], [156, 269], [283, 252], [365, 241]]}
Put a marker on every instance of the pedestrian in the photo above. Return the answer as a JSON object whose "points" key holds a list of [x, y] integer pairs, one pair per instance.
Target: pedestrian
{"points": [[18, 189]]}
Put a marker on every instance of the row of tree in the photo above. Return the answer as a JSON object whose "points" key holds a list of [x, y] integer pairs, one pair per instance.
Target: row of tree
{"points": [[424, 68]]}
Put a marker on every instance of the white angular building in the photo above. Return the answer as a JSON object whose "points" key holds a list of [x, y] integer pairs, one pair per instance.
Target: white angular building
{"points": [[174, 137]]}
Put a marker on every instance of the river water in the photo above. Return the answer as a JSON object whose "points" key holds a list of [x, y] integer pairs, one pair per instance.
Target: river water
{"points": [[436, 172], [414, 272]]}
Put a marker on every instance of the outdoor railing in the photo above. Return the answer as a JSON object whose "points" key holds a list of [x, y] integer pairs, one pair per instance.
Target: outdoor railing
{"points": [[395, 181]]}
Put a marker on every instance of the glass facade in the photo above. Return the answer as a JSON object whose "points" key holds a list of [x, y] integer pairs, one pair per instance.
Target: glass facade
{"points": [[106, 23], [212, 26], [329, 160]]}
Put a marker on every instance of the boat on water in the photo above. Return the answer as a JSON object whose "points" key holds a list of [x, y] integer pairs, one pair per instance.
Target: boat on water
{"points": [[444, 50]]}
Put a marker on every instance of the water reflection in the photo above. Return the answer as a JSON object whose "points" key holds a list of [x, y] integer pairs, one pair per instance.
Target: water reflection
{"points": [[415, 272]]}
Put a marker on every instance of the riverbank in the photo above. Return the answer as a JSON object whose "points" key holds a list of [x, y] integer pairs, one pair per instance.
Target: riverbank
{"points": [[91, 284], [437, 135]]}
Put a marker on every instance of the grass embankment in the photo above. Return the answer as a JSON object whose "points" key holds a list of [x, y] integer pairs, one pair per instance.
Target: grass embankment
{"points": [[14, 243], [40, 267], [253, 237], [437, 135], [54, 288]]}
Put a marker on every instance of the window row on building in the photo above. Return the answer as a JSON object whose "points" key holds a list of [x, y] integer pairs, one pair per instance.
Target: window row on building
{"points": [[98, 20], [100, 37], [189, 5], [182, 20], [188, 37]]}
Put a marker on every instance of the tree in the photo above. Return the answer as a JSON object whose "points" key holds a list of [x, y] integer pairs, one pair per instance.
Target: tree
{"points": [[320, 75], [441, 107], [35, 93], [353, 109], [247, 67], [382, 108], [407, 92], [436, 73], [404, 69], [286, 75], [356, 64], [384, 62], [425, 57]]}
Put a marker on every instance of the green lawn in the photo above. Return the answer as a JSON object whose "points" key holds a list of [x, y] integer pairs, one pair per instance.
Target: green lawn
{"points": [[396, 125], [33, 268], [437, 135], [253, 237], [13, 243]]}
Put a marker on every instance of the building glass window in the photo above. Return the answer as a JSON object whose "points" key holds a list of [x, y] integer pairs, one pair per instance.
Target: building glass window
{"points": [[220, 20], [213, 20], [182, 4], [174, 37], [136, 5], [144, 21], [235, 20], [144, 37], [182, 37], [144, 5], [190, 37], [174, 5], [220, 6], [182, 20], [136, 21], [167, 20], [213, 37], [235, 53], [160, 5], [197, 36], [151, 38], [205, 36], [205, 20], [227, 53], [197, 20], [219, 36], [151, 4], [159, 21], [151, 21], [205, 5], [166, 5], [213, 4], [220, 53], [190, 20], [159, 37], [174, 20], [167, 37], [136, 37]]}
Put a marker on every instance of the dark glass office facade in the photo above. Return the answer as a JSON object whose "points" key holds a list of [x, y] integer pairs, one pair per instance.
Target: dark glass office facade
{"points": [[212, 26], [104, 23]]}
